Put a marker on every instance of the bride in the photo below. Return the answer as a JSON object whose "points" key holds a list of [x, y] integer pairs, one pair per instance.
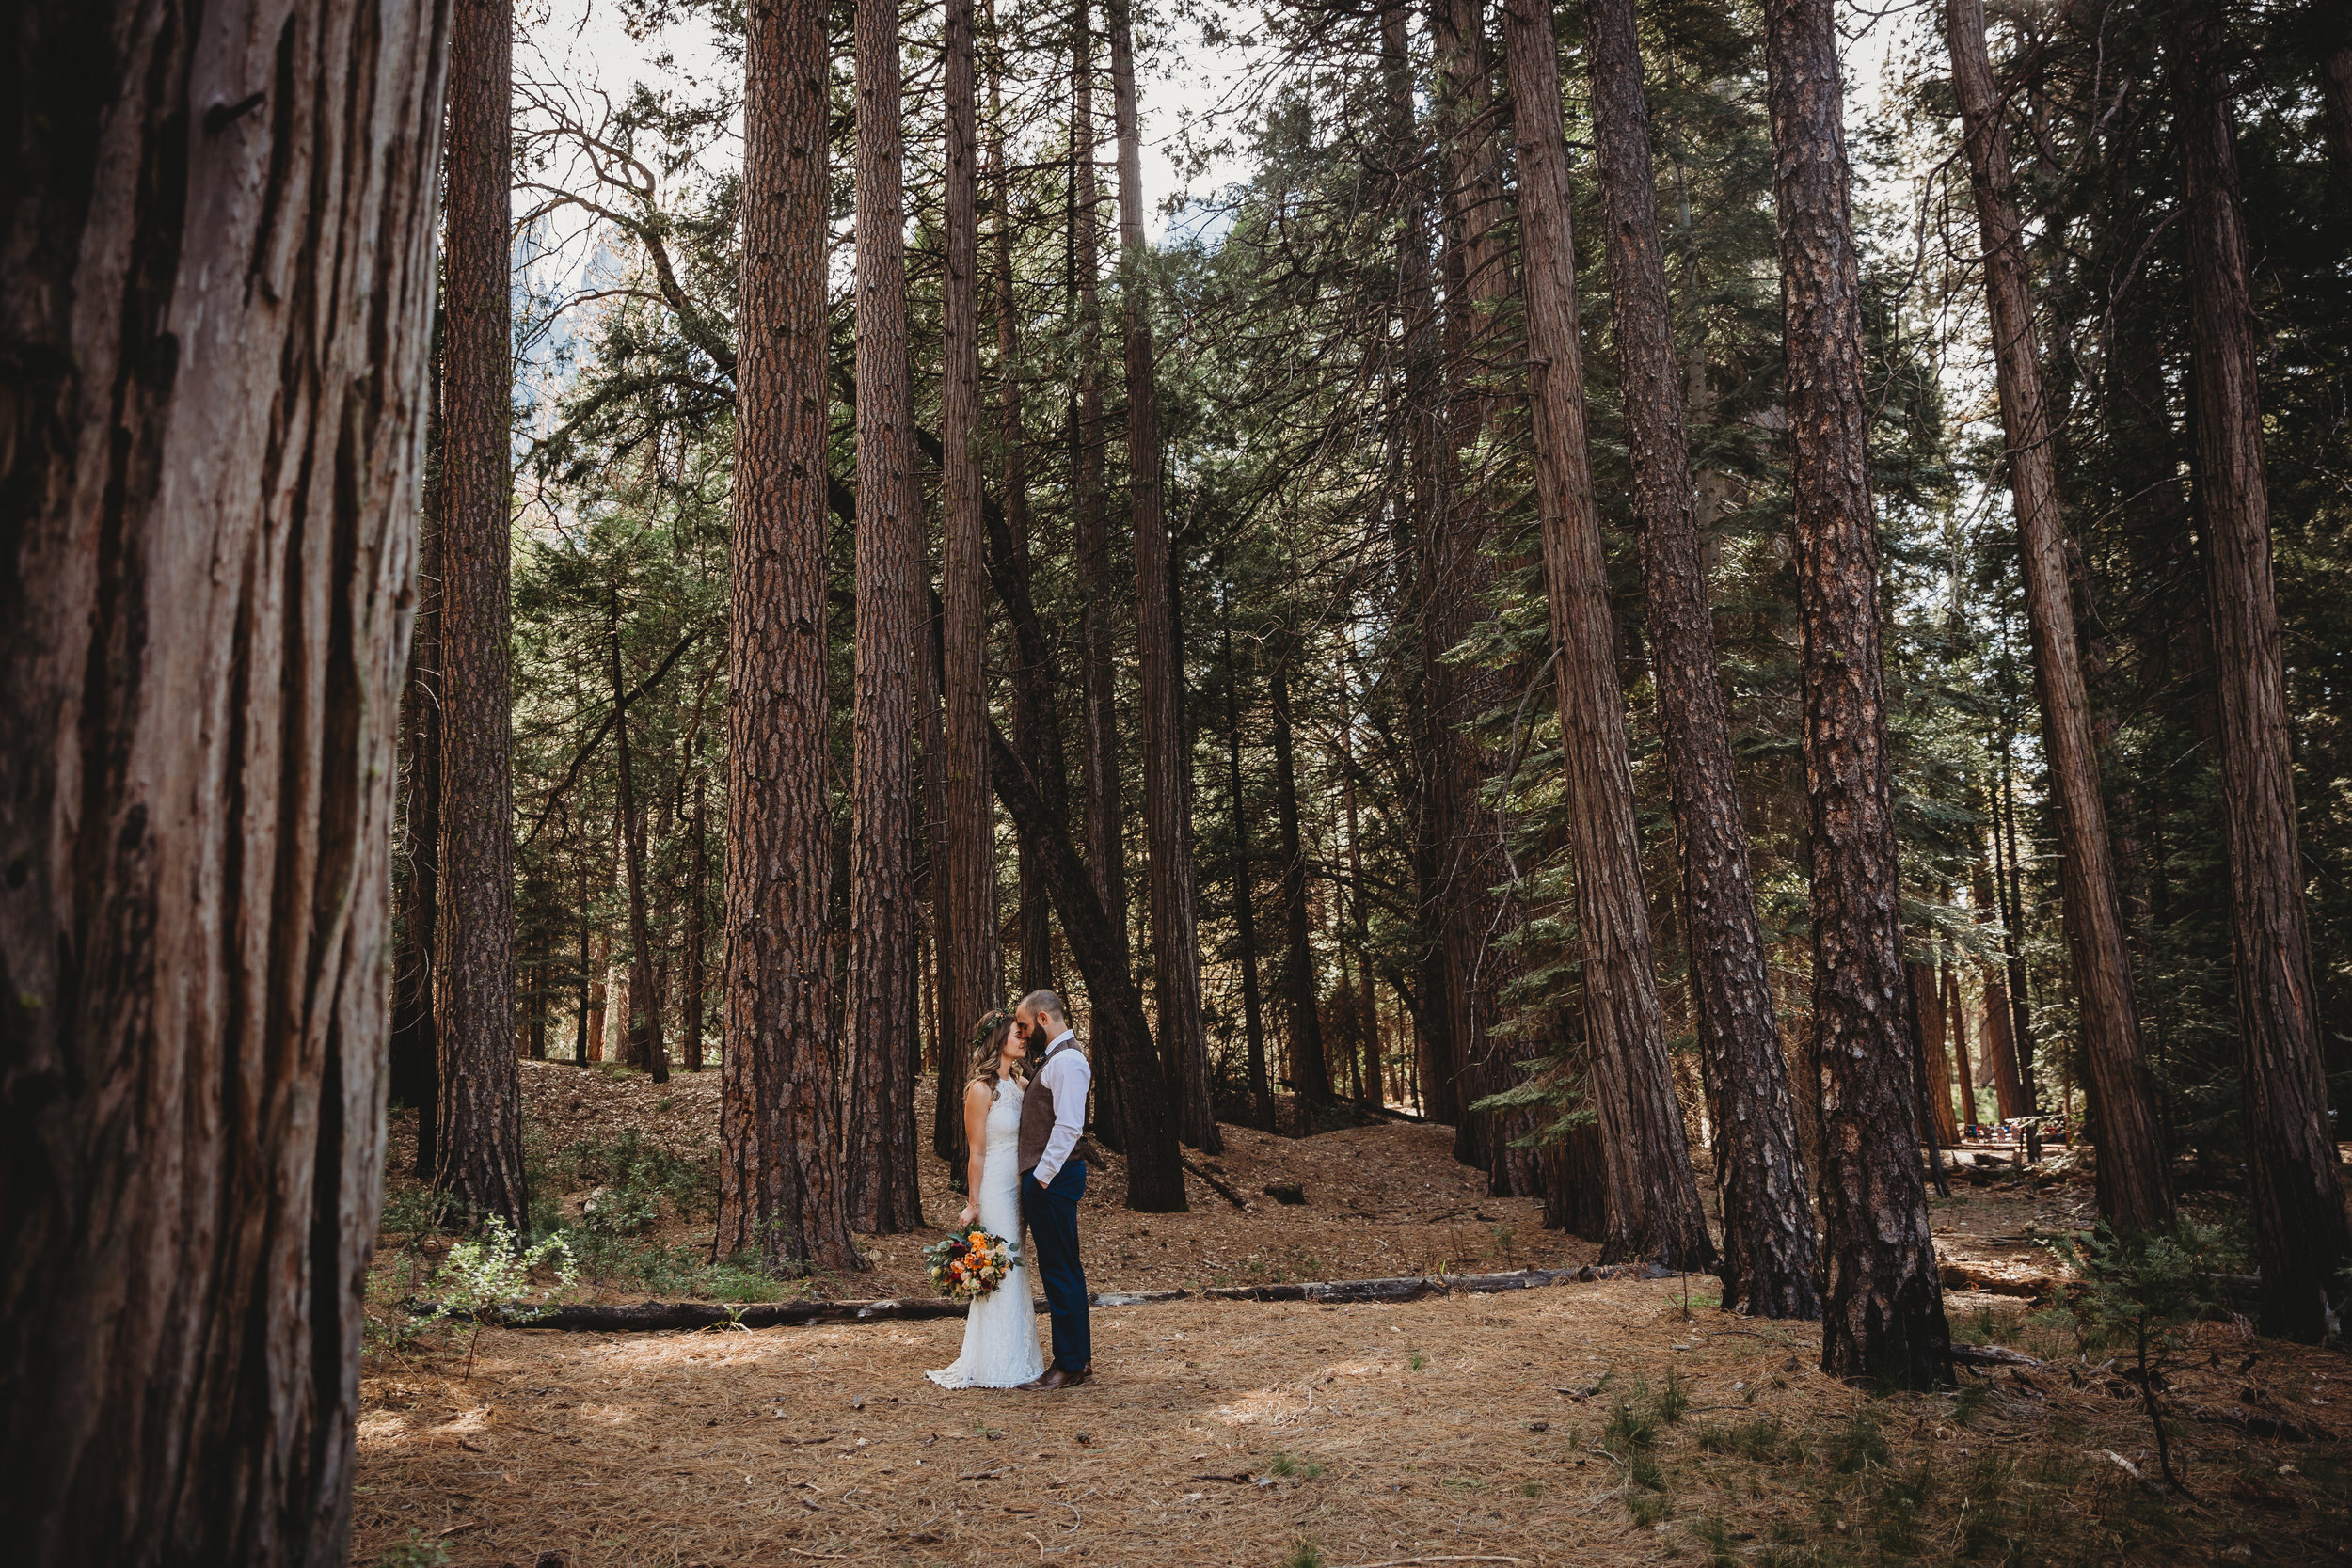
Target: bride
{"points": [[1000, 1349]]}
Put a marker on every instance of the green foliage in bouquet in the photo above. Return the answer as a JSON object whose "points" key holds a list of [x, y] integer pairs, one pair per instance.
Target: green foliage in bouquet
{"points": [[968, 1264]]}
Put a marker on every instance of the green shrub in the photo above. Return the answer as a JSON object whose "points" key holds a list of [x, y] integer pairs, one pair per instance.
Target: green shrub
{"points": [[490, 1277], [2146, 1294], [415, 1552]]}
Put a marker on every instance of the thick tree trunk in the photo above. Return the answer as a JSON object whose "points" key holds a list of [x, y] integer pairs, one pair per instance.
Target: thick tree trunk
{"points": [[411, 1057], [1418, 523], [1121, 1036], [2014, 927], [1935, 1075], [2000, 1055], [1654, 1209], [2297, 1187], [1771, 1264], [478, 1162], [1456, 577], [593, 1030], [1032, 699], [215, 295], [1311, 1070], [932, 955], [966, 839], [2333, 35], [693, 981], [879, 1101], [1367, 1006], [1105, 825], [1244, 911], [2135, 1184], [780, 1194], [1159, 656], [1883, 1312], [646, 990], [1956, 1022]]}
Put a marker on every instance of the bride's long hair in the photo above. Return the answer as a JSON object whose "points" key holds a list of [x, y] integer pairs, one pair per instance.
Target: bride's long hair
{"points": [[988, 1049]]}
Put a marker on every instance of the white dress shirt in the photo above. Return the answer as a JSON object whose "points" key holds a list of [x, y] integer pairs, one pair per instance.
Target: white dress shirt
{"points": [[1067, 1078]]}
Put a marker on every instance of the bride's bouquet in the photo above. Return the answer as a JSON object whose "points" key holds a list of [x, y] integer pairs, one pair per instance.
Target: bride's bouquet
{"points": [[968, 1264]]}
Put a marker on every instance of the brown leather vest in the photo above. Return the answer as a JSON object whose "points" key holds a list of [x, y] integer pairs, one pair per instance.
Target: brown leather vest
{"points": [[1037, 1116]]}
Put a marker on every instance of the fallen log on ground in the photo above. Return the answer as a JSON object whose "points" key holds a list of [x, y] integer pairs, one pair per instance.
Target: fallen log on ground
{"points": [[1224, 1189], [645, 1316]]}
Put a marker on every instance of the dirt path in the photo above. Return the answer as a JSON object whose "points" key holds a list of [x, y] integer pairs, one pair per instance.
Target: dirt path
{"points": [[1284, 1436], [1235, 1434]]}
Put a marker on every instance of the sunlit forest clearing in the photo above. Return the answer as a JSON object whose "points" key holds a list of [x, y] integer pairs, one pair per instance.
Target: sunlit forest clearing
{"points": [[1335, 787]]}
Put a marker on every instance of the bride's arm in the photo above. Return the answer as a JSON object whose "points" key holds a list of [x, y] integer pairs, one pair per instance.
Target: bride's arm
{"points": [[975, 1103]]}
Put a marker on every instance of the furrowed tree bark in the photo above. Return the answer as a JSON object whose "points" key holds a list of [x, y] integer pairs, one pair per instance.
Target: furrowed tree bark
{"points": [[879, 1104], [967, 836], [1311, 1070], [1417, 520], [644, 990], [215, 296], [411, 1057], [693, 981], [1956, 1022], [2135, 1184], [1244, 911], [1935, 1076], [478, 1163], [2299, 1222], [1654, 1208], [1883, 1316], [2014, 927], [2331, 39], [1771, 1264], [1121, 1034], [1367, 1005], [1456, 577], [2000, 1059], [1105, 828], [780, 1194], [1159, 657], [1032, 698]]}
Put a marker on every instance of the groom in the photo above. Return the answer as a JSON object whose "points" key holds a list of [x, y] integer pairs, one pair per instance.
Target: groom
{"points": [[1054, 1177]]}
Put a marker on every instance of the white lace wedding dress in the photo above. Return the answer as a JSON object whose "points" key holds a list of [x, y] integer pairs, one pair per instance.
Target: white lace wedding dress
{"points": [[1000, 1348]]}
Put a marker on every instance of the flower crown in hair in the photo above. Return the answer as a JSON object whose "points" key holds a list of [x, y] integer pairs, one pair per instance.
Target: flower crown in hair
{"points": [[987, 1026]]}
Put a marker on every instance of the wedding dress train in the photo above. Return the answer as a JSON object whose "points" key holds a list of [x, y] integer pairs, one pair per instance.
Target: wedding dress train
{"points": [[1000, 1348]]}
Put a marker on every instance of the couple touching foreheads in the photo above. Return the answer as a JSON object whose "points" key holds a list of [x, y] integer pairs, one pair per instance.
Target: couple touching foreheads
{"points": [[1025, 1116]]}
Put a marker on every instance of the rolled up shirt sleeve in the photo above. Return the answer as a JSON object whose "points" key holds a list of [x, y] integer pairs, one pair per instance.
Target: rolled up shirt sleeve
{"points": [[1067, 1078]]}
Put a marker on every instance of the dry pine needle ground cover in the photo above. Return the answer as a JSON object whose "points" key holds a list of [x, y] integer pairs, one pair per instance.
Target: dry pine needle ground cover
{"points": [[1585, 1423]]}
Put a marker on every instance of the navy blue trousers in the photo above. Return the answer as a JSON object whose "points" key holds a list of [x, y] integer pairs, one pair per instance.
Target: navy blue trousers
{"points": [[1051, 1212]]}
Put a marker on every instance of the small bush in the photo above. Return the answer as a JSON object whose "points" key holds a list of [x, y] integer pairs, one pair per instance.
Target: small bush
{"points": [[2147, 1294], [1306, 1554], [490, 1277], [415, 1552], [1283, 1465]]}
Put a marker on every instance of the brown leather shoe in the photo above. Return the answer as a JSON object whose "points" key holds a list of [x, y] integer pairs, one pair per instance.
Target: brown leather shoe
{"points": [[1056, 1378]]}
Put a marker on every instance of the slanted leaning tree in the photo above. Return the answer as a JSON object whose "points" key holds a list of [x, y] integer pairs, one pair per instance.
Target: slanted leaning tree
{"points": [[2134, 1185], [1770, 1262], [1653, 1196], [2298, 1188]]}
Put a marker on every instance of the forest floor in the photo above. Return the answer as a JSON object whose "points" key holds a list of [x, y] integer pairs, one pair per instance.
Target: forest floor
{"points": [[1579, 1423]]}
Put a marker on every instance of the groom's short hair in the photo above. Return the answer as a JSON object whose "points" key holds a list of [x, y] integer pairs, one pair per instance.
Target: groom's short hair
{"points": [[1044, 1004]]}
